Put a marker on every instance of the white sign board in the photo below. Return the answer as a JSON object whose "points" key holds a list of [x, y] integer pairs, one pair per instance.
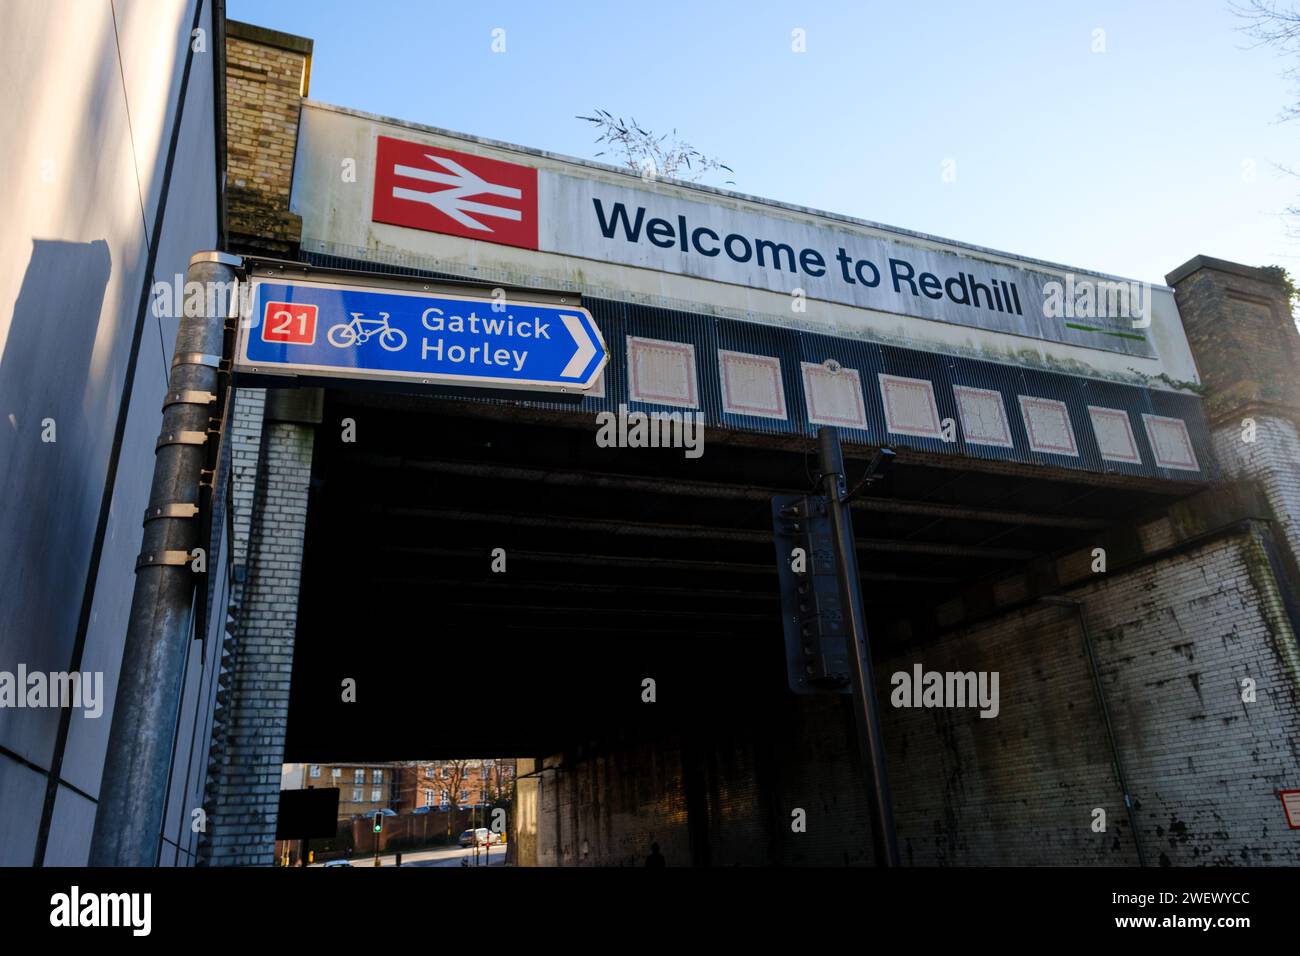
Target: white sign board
{"points": [[440, 190]]}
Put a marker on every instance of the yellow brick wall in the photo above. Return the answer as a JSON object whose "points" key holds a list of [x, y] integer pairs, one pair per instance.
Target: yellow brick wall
{"points": [[264, 89]]}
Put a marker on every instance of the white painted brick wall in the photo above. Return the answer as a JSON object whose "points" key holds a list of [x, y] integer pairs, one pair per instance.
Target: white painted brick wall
{"points": [[270, 515], [1273, 459], [1173, 641]]}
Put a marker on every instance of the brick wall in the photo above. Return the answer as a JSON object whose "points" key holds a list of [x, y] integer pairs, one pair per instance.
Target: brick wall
{"points": [[1239, 325], [267, 76], [606, 810], [270, 488], [246, 448], [1173, 641], [1273, 460], [1247, 348], [720, 795], [1172, 638], [1015, 789]]}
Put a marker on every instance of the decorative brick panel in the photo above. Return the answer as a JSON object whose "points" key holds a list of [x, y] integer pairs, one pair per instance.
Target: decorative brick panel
{"points": [[910, 408], [661, 373], [1114, 434], [1047, 422], [983, 416], [1171, 443], [834, 397], [751, 384]]}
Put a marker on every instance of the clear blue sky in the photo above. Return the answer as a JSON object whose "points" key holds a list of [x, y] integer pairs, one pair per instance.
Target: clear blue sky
{"points": [[1128, 161]]}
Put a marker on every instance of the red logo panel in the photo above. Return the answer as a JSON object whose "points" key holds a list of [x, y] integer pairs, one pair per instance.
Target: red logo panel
{"points": [[440, 190], [289, 322]]}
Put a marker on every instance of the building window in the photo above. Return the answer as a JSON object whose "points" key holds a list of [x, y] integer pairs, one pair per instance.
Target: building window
{"points": [[360, 775], [335, 773], [464, 796], [428, 771], [377, 777], [315, 770], [445, 798], [356, 795], [428, 798], [375, 794]]}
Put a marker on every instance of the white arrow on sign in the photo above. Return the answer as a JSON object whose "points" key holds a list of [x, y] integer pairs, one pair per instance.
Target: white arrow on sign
{"points": [[454, 202], [586, 347]]}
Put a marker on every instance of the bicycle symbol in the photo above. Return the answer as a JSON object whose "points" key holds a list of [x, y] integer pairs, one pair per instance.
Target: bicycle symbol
{"points": [[359, 331]]}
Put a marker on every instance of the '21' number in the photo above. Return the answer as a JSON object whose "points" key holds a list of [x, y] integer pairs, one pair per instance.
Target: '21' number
{"points": [[289, 322]]}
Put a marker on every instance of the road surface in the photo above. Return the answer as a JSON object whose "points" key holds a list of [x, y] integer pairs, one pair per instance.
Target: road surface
{"points": [[445, 856]]}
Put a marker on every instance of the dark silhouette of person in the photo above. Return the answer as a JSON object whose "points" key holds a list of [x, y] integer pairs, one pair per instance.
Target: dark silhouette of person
{"points": [[655, 859]]}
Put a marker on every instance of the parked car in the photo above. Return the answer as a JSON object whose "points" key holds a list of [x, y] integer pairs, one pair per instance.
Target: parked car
{"points": [[481, 837], [337, 863]]}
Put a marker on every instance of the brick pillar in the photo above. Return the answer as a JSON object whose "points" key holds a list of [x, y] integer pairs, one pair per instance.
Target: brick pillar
{"points": [[273, 436], [267, 75], [1247, 349]]}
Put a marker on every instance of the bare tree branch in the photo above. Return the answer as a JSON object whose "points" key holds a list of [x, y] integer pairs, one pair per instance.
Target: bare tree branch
{"points": [[1273, 23], [649, 155]]}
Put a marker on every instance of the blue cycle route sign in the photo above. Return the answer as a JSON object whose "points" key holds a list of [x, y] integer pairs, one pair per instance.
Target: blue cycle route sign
{"points": [[372, 334]]}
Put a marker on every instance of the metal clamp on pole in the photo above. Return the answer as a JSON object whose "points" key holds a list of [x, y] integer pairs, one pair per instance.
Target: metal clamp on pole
{"points": [[189, 397], [181, 438], [175, 509], [197, 358], [129, 817], [163, 559]]}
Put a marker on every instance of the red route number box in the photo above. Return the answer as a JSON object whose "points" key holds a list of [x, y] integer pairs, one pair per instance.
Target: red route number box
{"points": [[290, 322]]}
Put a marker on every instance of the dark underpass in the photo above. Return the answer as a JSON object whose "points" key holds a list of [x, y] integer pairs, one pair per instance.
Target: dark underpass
{"points": [[620, 565]]}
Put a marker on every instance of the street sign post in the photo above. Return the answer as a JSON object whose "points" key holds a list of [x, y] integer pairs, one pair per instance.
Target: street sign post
{"points": [[324, 329]]}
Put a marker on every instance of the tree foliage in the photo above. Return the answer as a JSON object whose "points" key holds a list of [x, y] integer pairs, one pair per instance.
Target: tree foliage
{"points": [[649, 155]]}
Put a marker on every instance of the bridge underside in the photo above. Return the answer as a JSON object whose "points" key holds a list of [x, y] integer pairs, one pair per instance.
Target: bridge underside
{"points": [[620, 564]]}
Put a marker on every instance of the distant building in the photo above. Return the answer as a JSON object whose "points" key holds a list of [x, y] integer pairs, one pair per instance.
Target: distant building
{"points": [[363, 787], [442, 783]]}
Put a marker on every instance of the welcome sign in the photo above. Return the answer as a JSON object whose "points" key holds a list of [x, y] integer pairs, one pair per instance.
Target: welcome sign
{"points": [[441, 190]]}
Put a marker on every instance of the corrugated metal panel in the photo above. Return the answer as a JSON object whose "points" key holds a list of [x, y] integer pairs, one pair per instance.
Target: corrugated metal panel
{"points": [[763, 340], [1003, 380], [708, 334]]}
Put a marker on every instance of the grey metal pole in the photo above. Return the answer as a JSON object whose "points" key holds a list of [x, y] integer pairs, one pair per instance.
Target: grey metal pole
{"points": [[129, 819], [871, 741]]}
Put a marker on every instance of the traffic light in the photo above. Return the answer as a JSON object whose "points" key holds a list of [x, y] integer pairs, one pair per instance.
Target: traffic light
{"points": [[379, 822], [816, 644]]}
